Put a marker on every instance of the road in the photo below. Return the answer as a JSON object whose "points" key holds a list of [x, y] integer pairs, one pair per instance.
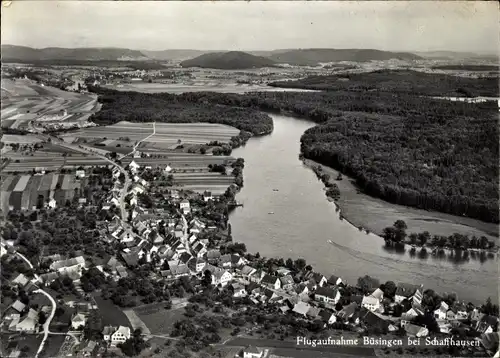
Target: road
{"points": [[47, 322], [126, 185], [52, 311], [139, 142]]}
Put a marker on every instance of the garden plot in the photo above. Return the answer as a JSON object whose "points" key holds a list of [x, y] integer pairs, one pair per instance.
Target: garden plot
{"points": [[20, 139]]}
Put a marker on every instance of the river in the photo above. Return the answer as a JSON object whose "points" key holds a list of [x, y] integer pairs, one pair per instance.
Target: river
{"points": [[303, 222]]}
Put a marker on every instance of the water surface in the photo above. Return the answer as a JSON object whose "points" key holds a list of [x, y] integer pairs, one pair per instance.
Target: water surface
{"points": [[303, 222]]}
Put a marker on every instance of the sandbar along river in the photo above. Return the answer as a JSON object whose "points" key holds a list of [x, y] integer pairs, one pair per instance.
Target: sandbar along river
{"points": [[297, 221]]}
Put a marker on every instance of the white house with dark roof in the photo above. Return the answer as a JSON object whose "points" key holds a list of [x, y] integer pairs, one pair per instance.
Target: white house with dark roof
{"points": [[327, 294], [405, 291], [207, 195], [318, 278], [115, 335], [440, 313], [197, 264], [225, 261], [327, 316], [413, 330], [487, 324], [219, 275], [185, 206], [246, 271], [271, 282], [334, 280], [348, 311]]}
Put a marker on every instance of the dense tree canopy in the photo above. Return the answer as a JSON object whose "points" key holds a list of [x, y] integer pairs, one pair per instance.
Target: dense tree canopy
{"points": [[401, 81], [165, 107]]}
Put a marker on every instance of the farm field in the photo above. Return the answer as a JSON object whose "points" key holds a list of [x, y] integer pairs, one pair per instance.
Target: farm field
{"points": [[202, 181], [20, 139], [27, 105], [23, 191], [50, 158], [182, 161], [49, 161], [167, 134]]}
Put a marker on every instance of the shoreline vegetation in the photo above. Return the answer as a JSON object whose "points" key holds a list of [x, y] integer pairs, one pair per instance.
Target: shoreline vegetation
{"points": [[396, 237], [359, 209]]}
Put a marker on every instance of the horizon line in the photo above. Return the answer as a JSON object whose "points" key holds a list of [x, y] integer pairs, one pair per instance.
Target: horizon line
{"points": [[253, 50]]}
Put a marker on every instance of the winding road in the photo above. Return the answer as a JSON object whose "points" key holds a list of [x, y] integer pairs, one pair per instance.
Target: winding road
{"points": [[46, 325], [47, 322]]}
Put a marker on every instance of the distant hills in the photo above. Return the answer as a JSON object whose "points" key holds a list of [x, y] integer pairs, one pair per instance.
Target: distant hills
{"points": [[232, 60], [220, 59], [26, 54], [311, 57], [175, 55], [453, 55]]}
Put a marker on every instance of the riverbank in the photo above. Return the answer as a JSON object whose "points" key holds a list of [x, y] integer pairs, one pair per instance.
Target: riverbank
{"points": [[374, 214]]}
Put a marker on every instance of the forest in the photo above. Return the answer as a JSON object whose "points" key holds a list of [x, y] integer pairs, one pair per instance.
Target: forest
{"points": [[169, 108], [400, 81]]}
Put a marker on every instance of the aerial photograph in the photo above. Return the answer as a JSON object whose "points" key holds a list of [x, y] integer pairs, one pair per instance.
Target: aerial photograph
{"points": [[249, 179]]}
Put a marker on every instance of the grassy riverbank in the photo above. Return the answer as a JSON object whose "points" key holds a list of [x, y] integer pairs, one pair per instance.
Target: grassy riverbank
{"points": [[374, 214]]}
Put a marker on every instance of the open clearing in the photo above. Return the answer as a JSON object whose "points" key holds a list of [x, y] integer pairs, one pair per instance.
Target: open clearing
{"points": [[111, 314], [161, 321]]}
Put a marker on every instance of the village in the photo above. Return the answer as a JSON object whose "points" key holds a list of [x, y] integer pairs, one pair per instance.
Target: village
{"points": [[182, 240]]}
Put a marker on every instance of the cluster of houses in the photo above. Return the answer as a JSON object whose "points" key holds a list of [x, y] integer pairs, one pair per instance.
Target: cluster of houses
{"points": [[316, 297], [21, 317], [310, 295], [176, 248]]}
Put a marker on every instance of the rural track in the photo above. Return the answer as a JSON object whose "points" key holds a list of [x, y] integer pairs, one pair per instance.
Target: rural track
{"points": [[126, 185], [139, 142], [52, 312], [47, 322]]}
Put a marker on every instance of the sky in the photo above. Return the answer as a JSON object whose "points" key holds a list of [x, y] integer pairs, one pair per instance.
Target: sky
{"points": [[254, 25]]}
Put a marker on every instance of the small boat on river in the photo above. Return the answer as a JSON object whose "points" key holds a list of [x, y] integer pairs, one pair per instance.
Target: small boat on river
{"points": [[271, 212], [275, 190]]}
